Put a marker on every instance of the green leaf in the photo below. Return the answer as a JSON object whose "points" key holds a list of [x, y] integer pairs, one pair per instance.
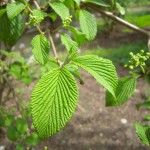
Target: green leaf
{"points": [[13, 9], [32, 139], [77, 2], [12, 133], [101, 69], [98, 2], [120, 8], [21, 125], [69, 3], [78, 36], [41, 48], [147, 118], [125, 89], [2, 11], [11, 31], [74, 70], [39, 14], [53, 101], [88, 24], [19, 146], [145, 104], [68, 42], [143, 133], [8, 120], [60, 9]]}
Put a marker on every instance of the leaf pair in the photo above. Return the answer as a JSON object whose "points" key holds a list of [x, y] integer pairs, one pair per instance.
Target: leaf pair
{"points": [[54, 98]]}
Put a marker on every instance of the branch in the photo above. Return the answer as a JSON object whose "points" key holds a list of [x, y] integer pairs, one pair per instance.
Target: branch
{"points": [[119, 20], [52, 43]]}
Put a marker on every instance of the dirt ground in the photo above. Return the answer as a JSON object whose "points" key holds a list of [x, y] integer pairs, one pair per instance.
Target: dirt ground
{"points": [[93, 126]]}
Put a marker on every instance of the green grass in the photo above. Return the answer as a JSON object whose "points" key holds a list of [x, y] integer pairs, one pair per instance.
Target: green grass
{"points": [[120, 54]]}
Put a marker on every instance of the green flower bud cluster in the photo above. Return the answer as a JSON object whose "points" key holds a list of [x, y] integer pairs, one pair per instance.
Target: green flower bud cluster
{"points": [[35, 20], [67, 21], [138, 60]]}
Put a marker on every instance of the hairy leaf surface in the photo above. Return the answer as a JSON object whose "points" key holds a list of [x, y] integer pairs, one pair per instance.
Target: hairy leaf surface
{"points": [[88, 24], [101, 69], [60, 9], [41, 48], [13, 9], [53, 101], [125, 89]]}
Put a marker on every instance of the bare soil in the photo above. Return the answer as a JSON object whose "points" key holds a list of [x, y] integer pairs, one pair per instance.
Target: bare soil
{"points": [[94, 126]]}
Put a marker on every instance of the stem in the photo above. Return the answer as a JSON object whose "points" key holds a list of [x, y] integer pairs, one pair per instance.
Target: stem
{"points": [[36, 4], [52, 43], [13, 93]]}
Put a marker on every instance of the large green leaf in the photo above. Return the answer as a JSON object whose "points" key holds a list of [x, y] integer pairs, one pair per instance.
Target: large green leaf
{"points": [[125, 89], [10, 31], [53, 101], [143, 133], [60, 9], [13, 9], [41, 48], [102, 70], [98, 2], [88, 24], [68, 42]]}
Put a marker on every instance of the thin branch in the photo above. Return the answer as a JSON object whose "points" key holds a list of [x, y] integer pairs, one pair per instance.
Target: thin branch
{"points": [[52, 43], [36, 4], [13, 93], [119, 20], [30, 10]]}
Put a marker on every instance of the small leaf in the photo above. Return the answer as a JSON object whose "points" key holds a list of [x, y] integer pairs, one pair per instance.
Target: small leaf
{"points": [[120, 8], [39, 14], [74, 70], [101, 69], [12, 133], [78, 36], [19, 146], [88, 24], [125, 89], [68, 42], [77, 2], [9, 120], [53, 101], [21, 125], [32, 139], [143, 133], [144, 104], [13, 9], [147, 118], [60, 9], [41, 48], [98, 2]]}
